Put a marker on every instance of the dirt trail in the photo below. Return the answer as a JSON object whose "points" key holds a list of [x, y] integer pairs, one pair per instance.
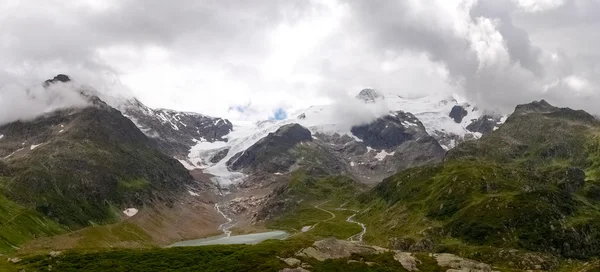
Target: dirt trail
{"points": [[319, 207]]}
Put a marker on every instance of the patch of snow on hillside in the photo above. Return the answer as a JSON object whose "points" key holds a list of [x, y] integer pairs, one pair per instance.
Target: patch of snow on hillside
{"points": [[13, 153], [193, 194], [1, 136], [187, 165], [503, 119], [381, 155], [130, 212], [33, 146]]}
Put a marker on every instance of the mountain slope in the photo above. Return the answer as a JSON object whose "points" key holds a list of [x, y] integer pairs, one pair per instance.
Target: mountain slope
{"points": [[530, 185], [174, 131], [85, 166]]}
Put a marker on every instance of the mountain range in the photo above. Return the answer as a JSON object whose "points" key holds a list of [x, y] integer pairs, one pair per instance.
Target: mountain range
{"points": [[433, 174]]}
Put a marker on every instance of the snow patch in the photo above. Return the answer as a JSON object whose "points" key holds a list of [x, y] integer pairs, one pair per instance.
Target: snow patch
{"points": [[1, 136], [33, 146], [61, 131], [13, 153], [193, 194], [409, 124], [187, 165], [352, 164], [381, 155], [130, 212], [502, 120], [356, 138]]}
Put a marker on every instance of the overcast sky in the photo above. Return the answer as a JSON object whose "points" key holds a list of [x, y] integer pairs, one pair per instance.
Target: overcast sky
{"points": [[214, 55]]}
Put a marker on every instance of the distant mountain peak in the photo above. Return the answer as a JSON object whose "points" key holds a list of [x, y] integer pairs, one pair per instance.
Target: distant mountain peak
{"points": [[58, 78], [370, 95], [535, 106]]}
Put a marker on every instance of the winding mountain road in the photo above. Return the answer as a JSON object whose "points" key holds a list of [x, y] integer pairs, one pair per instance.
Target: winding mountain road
{"points": [[319, 208]]}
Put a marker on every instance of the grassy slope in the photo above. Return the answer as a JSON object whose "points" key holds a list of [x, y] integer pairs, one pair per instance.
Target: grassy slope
{"points": [[19, 225], [314, 195], [511, 189]]}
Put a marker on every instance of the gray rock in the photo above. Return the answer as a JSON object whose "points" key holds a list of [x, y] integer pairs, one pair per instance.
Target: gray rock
{"points": [[458, 113], [336, 249], [293, 262], [270, 154], [460, 264], [484, 124], [390, 131], [408, 261], [402, 244], [59, 78], [425, 150], [424, 245], [219, 155]]}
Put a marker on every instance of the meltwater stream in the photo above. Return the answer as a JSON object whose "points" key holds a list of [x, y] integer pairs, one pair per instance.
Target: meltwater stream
{"points": [[225, 227]]}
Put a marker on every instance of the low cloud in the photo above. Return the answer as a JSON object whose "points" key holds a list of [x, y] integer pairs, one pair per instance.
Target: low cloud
{"points": [[21, 103], [294, 54]]}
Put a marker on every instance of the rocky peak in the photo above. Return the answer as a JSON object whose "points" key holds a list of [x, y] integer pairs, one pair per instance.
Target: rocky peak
{"points": [[58, 78], [390, 131], [270, 154], [535, 106], [484, 124], [370, 95], [544, 107], [458, 113], [175, 131], [293, 132]]}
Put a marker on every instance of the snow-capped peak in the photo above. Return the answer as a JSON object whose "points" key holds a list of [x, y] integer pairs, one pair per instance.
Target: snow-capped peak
{"points": [[370, 96]]}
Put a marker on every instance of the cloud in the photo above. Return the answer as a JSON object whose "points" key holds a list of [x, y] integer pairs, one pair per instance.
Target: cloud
{"points": [[294, 54], [538, 5], [21, 103], [486, 54]]}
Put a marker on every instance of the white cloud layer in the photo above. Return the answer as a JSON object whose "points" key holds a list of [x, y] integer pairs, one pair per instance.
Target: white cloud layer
{"points": [[209, 56]]}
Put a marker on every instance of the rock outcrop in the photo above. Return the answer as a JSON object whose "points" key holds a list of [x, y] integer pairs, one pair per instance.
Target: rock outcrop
{"points": [[458, 113], [390, 131], [339, 249], [270, 154], [175, 132]]}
